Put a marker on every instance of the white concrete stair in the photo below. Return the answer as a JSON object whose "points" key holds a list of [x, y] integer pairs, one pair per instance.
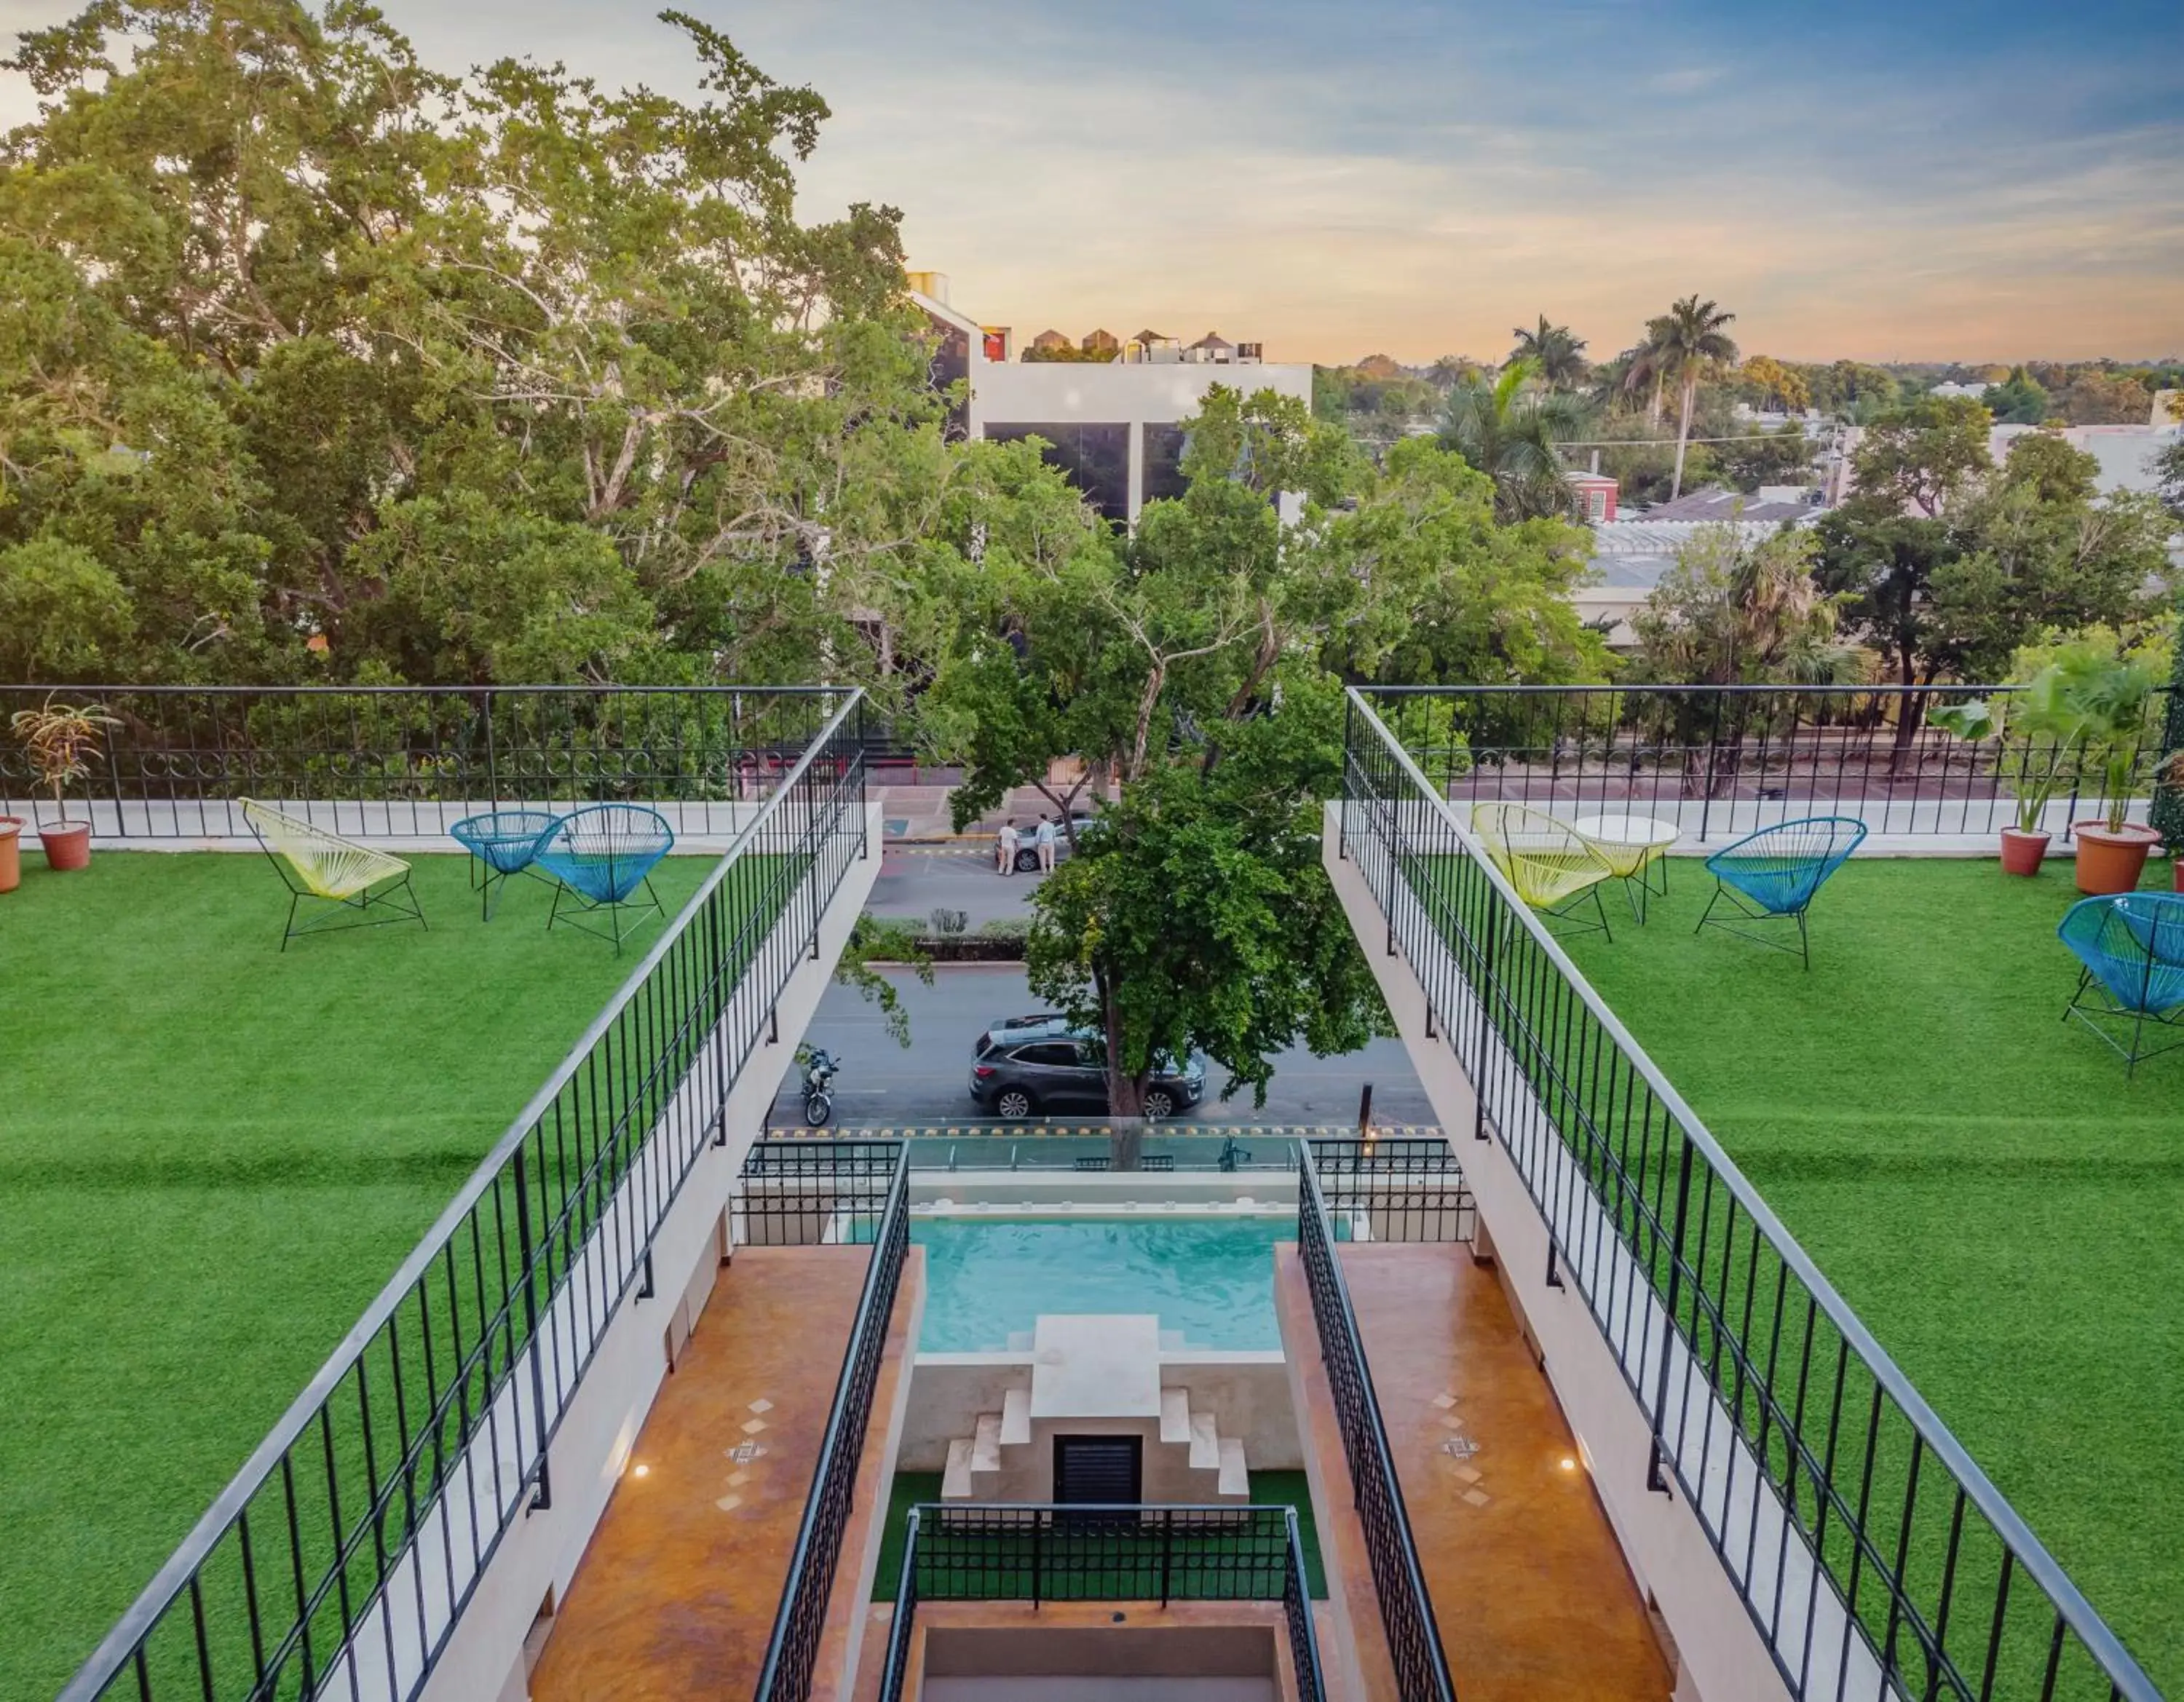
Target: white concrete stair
{"points": [[986, 1443], [1016, 1415], [1175, 1415], [1235, 1478], [1205, 1442], [956, 1482]]}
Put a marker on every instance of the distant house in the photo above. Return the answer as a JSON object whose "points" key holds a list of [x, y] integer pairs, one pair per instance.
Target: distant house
{"points": [[1596, 496], [1108, 412], [1976, 391]]}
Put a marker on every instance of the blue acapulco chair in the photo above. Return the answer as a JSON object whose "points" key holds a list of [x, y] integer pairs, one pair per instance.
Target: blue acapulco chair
{"points": [[601, 856], [1771, 876], [2131, 946], [501, 843]]}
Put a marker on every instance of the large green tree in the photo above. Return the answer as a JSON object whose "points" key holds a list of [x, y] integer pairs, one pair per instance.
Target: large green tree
{"points": [[1196, 917], [1686, 344], [315, 349], [1509, 427], [1555, 353]]}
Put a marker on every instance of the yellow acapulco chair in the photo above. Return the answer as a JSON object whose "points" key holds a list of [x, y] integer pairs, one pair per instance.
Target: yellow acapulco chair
{"points": [[325, 867], [1553, 868]]}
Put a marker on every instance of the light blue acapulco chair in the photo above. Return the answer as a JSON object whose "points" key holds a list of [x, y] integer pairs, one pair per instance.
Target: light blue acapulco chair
{"points": [[2131, 946], [1771, 876], [601, 856]]}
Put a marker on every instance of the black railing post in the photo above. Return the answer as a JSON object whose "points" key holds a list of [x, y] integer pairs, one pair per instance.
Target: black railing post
{"points": [[1653, 1479], [526, 1244], [1168, 1553], [492, 758], [1713, 752], [1038, 1556]]}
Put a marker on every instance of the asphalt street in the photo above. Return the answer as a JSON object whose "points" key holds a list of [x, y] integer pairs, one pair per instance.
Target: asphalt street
{"points": [[883, 1084]]}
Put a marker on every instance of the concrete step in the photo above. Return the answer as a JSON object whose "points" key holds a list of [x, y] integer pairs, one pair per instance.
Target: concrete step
{"points": [[956, 1482], [1175, 1415], [1205, 1442], [986, 1445], [1235, 1480], [1015, 1417]]}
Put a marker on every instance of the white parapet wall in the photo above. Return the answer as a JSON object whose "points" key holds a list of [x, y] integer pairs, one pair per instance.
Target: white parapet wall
{"points": [[1723, 1656], [533, 1566]]}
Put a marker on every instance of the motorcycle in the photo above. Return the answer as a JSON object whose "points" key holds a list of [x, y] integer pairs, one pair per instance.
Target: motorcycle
{"points": [[820, 1068]]}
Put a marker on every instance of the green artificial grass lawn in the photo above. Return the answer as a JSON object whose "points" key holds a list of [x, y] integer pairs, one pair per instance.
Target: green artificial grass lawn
{"points": [[1268, 1489], [212, 1157], [2001, 1206]]}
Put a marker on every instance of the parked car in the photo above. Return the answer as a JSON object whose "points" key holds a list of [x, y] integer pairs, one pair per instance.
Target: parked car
{"points": [[1023, 1065], [1027, 847]]}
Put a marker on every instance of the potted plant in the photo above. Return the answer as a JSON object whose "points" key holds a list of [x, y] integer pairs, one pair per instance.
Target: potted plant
{"points": [[2046, 727], [62, 741], [2108, 697], [11, 852]]}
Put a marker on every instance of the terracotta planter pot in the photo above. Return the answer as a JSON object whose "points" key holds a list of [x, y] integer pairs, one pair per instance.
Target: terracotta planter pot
{"points": [[2112, 862], [2022, 852], [68, 846], [11, 852]]}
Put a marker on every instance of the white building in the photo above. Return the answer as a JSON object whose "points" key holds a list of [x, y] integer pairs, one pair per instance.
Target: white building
{"points": [[1111, 426]]}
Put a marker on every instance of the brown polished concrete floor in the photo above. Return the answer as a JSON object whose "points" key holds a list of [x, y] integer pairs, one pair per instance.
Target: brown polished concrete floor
{"points": [[1531, 1593], [675, 1598]]}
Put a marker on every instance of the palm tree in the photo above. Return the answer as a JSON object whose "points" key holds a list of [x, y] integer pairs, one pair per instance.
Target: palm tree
{"points": [[1558, 357], [1687, 342], [1508, 428]]}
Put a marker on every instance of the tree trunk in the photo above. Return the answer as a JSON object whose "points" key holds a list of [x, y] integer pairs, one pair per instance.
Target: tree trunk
{"points": [[1653, 411], [1126, 1093], [1683, 436], [1908, 717]]}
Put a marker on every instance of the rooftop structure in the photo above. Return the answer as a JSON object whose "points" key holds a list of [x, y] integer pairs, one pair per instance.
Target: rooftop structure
{"points": [[1111, 426], [1577, 1394]]}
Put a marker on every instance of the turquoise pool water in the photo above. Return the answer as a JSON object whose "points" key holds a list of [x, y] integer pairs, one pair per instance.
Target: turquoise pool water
{"points": [[1211, 1277]]}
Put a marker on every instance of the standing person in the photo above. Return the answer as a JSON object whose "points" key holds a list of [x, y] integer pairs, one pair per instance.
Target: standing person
{"points": [[1046, 838], [1004, 848]]}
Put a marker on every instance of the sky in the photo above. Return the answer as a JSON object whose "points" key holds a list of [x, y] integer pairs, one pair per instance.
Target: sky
{"points": [[1877, 179]]}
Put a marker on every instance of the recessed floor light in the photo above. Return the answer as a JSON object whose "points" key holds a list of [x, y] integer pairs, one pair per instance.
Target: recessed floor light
{"points": [[642, 1471]]}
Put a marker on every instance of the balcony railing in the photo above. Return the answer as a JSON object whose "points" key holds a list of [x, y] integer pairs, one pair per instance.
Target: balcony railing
{"points": [[1036, 1552], [1414, 1648], [1721, 761], [1875, 1557], [806, 1192], [409, 761], [339, 1558]]}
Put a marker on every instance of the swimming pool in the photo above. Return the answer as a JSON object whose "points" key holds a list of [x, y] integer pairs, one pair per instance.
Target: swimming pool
{"points": [[1212, 1278]]}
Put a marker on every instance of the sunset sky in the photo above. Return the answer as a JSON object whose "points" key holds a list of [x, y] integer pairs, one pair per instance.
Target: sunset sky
{"points": [[1919, 179]]}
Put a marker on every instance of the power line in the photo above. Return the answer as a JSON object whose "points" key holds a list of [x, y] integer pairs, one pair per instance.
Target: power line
{"points": [[1667, 442]]}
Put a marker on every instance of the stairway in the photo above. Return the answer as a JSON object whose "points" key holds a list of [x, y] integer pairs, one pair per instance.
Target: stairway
{"points": [[1218, 1470]]}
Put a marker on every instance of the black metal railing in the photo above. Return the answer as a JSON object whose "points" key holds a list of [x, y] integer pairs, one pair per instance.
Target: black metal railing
{"points": [[340, 1556], [1414, 1647], [409, 761], [1039, 1552], [804, 1193], [1393, 1188], [1875, 1557], [1722, 761]]}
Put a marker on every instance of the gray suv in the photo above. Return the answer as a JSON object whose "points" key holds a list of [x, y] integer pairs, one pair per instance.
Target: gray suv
{"points": [[1026, 1065]]}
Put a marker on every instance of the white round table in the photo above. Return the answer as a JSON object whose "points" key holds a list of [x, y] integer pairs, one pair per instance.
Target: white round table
{"points": [[1631, 845]]}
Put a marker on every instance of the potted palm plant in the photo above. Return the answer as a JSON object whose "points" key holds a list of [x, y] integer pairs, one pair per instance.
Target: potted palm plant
{"points": [[2047, 738], [62, 741], [2109, 699]]}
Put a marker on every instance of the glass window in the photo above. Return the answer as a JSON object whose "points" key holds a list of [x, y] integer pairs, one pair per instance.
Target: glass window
{"points": [[951, 364], [1164, 448], [1060, 1053], [1096, 459]]}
